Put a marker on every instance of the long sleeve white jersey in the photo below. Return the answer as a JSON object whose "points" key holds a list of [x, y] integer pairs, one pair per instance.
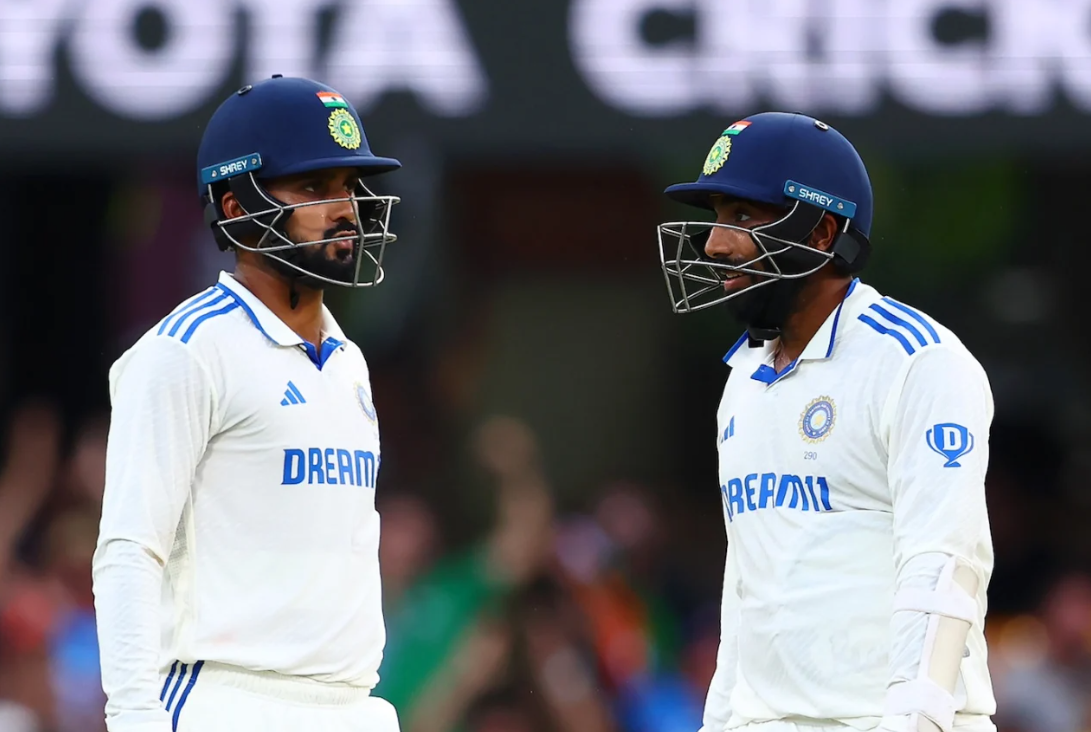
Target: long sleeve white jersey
{"points": [[239, 521], [848, 476]]}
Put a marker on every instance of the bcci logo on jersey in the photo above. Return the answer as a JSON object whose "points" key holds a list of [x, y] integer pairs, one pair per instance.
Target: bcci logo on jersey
{"points": [[817, 419], [950, 440]]}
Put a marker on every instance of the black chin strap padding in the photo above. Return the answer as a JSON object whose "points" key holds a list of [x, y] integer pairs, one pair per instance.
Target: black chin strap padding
{"points": [[245, 190], [851, 250], [212, 218], [797, 225], [757, 336]]}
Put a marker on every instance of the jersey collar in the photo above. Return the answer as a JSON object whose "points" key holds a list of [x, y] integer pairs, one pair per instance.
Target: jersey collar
{"points": [[269, 324], [820, 346]]}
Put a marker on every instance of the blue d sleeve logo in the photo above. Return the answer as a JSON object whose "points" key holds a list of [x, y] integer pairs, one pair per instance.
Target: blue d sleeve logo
{"points": [[950, 440]]}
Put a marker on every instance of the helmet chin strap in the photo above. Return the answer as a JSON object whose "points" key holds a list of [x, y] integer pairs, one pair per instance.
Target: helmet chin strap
{"points": [[281, 263]]}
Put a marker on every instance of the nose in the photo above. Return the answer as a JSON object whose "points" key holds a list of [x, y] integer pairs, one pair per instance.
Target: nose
{"points": [[342, 210], [721, 243]]}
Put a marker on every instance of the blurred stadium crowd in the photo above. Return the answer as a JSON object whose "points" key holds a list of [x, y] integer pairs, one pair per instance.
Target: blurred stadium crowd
{"points": [[604, 620]]}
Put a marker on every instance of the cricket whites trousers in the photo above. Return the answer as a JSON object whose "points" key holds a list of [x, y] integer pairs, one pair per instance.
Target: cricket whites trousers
{"points": [[212, 697]]}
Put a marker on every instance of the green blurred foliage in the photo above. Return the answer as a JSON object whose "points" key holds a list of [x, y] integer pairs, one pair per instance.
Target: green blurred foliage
{"points": [[942, 221]]}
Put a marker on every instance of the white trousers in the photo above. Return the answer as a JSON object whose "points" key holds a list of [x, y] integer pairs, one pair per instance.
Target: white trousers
{"points": [[209, 697]]}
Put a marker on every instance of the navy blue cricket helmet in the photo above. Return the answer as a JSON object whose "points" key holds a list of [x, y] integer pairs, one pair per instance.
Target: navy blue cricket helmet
{"points": [[789, 160], [285, 126]]}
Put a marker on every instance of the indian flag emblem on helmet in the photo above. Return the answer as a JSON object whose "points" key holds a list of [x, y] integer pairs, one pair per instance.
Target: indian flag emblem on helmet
{"points": [[344, 129], [717, 156], [332, 99]]}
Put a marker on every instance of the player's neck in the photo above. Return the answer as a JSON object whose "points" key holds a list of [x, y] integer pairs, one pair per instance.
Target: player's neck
{"points": [[817, 300], [274, 291]]}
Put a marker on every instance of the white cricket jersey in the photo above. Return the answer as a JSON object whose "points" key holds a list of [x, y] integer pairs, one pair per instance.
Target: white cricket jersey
{"points": [[864, 455], [240, 479]]}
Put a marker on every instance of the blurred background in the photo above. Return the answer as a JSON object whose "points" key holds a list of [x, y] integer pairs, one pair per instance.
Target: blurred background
{"points": [[552, 535]]}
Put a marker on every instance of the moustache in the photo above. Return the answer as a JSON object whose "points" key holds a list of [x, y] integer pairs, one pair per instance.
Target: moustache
{"points": [[339, 231]]}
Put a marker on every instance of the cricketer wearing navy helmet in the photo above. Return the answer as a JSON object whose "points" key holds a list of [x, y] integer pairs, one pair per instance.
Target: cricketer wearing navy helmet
{"points": [[236, 577], [259, 168], [807, 180], [853, 443]]}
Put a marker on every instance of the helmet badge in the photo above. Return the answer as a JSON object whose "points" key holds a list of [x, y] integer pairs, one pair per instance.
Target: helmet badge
{"points": [[344, 130], [717, 156]]}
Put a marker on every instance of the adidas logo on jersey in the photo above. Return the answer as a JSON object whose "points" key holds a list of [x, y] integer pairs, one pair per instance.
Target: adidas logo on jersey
{"points": [[292, 395], [729, 431]]}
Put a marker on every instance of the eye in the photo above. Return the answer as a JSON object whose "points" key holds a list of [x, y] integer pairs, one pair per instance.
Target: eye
{"points": [[742, 216], [310, 187]]}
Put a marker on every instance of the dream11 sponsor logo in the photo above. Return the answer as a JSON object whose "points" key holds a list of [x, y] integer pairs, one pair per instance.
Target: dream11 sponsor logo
{"points": [[834, 56], [375, 46]]}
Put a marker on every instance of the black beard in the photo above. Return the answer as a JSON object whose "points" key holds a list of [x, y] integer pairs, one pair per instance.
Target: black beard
{"points": [[763, 310], [315, 262]]}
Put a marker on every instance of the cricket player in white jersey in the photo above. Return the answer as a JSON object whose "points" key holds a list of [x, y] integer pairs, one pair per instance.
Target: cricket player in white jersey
{"points": [[853, 439], [236, 576]]}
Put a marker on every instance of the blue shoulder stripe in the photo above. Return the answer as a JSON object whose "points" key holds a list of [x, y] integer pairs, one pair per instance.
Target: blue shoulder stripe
{"points": [[891, 317], [189, 312], [896, 335], [211, 314], [246, 308], [193, 301], [915, 315]]}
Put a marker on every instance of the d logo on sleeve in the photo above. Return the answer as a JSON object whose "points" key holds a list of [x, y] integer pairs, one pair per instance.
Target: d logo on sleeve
{"points": [[950, 440]]}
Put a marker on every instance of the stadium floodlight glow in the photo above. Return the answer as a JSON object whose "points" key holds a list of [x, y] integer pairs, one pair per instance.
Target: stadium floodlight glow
{"points": [[419, 46], [834, 57]]}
